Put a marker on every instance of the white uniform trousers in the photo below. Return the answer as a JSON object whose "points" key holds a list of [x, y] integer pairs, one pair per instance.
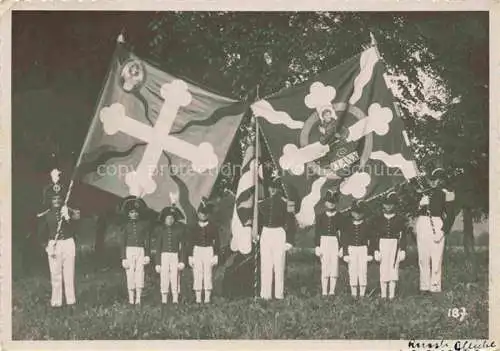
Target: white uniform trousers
{"points": [[388, 270], [202, 267], [430, 253], [62, 270], [358, 265], [135, 270], [329, 247], [169, 272], [272, 259]]}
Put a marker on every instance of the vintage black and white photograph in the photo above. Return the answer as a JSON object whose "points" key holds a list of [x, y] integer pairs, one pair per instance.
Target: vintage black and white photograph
{"points": [[251, 175]]}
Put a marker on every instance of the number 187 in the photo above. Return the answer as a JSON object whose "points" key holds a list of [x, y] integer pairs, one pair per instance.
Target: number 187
{"points": [[457, 313]]}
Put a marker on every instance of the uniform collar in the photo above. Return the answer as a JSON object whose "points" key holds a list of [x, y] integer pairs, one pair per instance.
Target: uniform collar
{"points": [[355, 222], [202, 224], [331, 213], [389, 216]]}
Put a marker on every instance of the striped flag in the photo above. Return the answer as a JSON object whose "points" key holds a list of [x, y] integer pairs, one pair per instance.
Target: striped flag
{"points": [[243, 213]]}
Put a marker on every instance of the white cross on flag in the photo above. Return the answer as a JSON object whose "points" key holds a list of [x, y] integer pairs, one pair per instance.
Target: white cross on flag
{"points": [[339, 130], [154, 134]]}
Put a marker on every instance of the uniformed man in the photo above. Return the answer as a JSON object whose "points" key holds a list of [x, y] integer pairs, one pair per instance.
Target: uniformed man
{"points": [[355, 233], [170, 249], [389, 244], [434, 220], [56, 228], [203, 253], [275, 213], [135, 249], [327, 241]]}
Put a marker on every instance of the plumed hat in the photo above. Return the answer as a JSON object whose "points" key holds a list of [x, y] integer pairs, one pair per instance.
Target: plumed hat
{"points": [[332, 196], [274, 180], [205, 207], [54, 189], [170, 211], [133, 203]]}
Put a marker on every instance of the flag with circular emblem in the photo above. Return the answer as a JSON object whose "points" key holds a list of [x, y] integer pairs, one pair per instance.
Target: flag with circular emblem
{"points": [[154, 135], [340, 130]]}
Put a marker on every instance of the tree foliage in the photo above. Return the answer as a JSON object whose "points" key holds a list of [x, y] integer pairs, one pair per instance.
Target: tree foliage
{"points": [[440, 61]]}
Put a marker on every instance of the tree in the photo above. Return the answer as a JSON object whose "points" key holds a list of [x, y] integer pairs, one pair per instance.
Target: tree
{"points": [[441, 60]]}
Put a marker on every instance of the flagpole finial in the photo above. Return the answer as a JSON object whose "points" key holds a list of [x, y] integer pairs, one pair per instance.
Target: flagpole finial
{"points": [[121, 38]]}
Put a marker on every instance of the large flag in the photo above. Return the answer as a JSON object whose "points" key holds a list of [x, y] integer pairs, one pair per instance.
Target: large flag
{"points": [[340, 130], [154, 135]]}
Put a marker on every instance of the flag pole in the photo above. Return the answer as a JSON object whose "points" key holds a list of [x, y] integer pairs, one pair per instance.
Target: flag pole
{"points": [[255, 222], [120, 40]]}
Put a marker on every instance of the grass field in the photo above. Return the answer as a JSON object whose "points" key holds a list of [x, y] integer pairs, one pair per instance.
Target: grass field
{"points": [[102, 312]]}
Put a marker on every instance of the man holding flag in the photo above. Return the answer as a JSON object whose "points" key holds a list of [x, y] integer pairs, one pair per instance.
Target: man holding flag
{"points": [[275, 240], [436, 215], [56, 229]]}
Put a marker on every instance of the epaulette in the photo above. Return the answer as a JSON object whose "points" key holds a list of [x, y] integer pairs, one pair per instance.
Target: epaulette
{"points": [[41, 214]]}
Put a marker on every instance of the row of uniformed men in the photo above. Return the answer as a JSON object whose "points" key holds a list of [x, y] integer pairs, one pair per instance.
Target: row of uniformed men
{"points": [[357, 241], [337, 235], [174, 243], [349, 237]]}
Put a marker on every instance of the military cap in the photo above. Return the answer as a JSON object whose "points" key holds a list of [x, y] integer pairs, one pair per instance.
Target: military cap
{"points": [[390, 199], [170, 211], [274, 180], [133, 203], [358, 207], [205, 207], [53, 191]]}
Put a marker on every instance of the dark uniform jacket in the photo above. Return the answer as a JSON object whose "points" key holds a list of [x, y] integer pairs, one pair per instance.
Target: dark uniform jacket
{"points": [[330, 129], [390, 228], [47, 226], [273, 214], [438, 207], [355, 234], [136, 233], [327, 226], [204, 236], [170, 239]]}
